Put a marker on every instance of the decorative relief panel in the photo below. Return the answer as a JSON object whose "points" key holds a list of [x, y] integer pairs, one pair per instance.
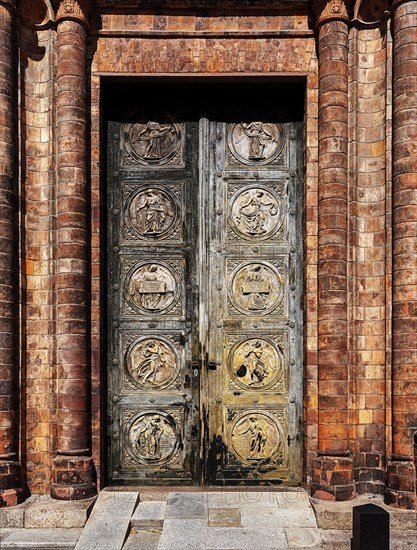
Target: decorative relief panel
{"points": [[152, 287], [152, 437], [152, 212], [256, 144], [257, 363], [157, 142], [256, 437], [255, 288], [255, 212], [152, 363]]}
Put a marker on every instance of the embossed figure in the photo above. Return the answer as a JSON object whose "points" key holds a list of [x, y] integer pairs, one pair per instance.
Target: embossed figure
{"points": [[255, 427], [258, 136], [148, 440], [153, 134], [155, 213], [253, 210], [257, 287], [254, 364], [153, 360]]}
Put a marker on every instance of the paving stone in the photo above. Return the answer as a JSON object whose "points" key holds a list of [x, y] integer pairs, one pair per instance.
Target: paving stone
{"points": [[109, 522], [48, 512], [144, 540], [37, 539], [184, 534], [149, 514], [238, 499], [301, 537], [293, 499], [261, 516], [186, 506], [224, 517], [265, 538]]}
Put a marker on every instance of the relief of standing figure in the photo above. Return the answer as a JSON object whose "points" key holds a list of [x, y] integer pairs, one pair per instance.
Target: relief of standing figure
{"points": [[155, 213], [153, 134], [258, 136]]}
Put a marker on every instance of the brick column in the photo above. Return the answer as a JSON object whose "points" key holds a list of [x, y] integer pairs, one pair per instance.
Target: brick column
{"points": [[10, 474], [73, 471], [401, 482], [332, 469]]}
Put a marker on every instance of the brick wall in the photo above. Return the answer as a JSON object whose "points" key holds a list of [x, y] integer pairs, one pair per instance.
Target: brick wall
{"points": [[216, 44]]}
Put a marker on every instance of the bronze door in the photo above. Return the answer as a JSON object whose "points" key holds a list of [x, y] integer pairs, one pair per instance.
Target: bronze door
{"points": [[204, 290]]}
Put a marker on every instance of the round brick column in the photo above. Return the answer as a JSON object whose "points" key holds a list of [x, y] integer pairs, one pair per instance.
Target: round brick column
{"points": [[73, 472], [10, 474], [333, 468], [401, 479]]}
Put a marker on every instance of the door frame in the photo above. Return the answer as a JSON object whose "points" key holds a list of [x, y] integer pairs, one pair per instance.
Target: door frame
{"points": [[118, 82]]}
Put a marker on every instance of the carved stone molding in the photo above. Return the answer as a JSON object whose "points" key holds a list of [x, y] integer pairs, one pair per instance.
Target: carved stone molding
{"points": [[36, 14], [331, 10], [78, 10], [9, 4], [370, 13]]}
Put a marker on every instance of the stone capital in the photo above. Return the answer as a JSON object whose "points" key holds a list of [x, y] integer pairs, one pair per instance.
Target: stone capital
{"points": [[331, 10], [77, 10]]}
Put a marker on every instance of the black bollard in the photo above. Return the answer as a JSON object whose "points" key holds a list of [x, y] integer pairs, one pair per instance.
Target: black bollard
{"points": [[370, 528]]}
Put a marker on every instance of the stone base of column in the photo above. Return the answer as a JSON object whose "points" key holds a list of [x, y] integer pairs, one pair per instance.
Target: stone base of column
{"points": [[11, 491], [73, 478], [401, 485], [333, 478]]}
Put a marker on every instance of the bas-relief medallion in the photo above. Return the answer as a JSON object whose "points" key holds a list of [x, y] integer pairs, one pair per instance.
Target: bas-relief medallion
{"points": [[255, 288], [152, 437], [256, 143], [255, 213], [152, 363], [153, 288], [153, 213], [256, 363], [152, 143], [255, 437]]}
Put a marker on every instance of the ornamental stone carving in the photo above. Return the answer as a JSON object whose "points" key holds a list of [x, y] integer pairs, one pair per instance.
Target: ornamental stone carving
{"points": [[255, 437], [74, 9], [331, 10]]}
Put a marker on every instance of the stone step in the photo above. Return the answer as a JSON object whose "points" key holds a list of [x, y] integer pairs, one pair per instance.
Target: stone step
{"points": [[38, 539], [109, 523], [143, 540], [149, 515]]}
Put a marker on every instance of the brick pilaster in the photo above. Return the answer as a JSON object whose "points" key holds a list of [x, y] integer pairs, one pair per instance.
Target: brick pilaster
{"points": [[401, 479], [10, 473], [332, 470], [73, 474]]}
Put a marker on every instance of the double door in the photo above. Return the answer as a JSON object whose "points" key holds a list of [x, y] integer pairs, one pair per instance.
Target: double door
{"points": [[204, 297]]}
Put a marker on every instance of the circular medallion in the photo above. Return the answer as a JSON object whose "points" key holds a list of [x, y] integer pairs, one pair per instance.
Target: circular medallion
{"points": [[152, 363], [255, 213], [152, 287], [255, 437], [153, 213], [256, 288], [152, 437], [153, 142], [256, 143], [256, 363]]}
